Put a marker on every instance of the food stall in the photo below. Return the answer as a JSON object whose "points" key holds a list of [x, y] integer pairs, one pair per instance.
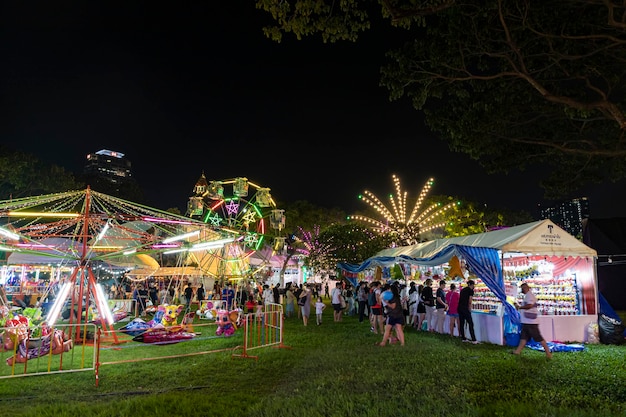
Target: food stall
{"points": [[560, 269]]}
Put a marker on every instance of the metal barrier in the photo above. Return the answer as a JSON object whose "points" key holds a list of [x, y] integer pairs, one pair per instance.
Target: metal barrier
{"points": [[56, 352], [92, 347], [263, 329]]}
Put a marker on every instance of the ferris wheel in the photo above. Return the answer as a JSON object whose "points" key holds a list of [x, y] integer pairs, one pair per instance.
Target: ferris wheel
{"points": [[245, 209]]}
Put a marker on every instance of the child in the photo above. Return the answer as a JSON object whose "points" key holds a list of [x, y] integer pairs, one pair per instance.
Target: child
{"points": [[259, 310], [319, 307]]}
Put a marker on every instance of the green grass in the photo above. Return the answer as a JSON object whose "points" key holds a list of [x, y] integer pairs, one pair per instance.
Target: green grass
{"points": [[334, 370]]}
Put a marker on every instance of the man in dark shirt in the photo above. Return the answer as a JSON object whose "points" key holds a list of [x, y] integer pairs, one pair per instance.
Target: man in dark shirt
{"points": [[465, 312], [228, 295], [188, 295]]}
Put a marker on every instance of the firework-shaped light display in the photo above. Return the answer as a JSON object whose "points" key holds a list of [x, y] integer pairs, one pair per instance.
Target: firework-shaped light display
{"points": [[396, 220]]}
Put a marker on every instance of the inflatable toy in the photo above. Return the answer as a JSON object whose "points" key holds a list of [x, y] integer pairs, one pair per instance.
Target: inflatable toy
{"points": [[387, 295], [164, 335], [227, 322], [17, 338]]}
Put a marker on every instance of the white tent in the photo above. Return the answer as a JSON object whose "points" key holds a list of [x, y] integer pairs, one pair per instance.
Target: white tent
{"points": [[542, 237], [484, 253]]}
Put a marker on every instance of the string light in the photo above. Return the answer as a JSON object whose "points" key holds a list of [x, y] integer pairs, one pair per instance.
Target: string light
{"points": [[394, 219]]}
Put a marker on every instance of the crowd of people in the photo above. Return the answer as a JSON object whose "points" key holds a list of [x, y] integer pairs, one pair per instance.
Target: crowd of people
{"points": [[390, 307]]}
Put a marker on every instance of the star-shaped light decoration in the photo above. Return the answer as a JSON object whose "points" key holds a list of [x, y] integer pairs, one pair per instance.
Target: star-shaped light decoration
{"points": [[251, 239], [232, 208], [248, 218], [215, 220]]}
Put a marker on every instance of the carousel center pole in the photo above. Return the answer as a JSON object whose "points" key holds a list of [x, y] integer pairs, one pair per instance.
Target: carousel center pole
{"points": [[86, 274]]}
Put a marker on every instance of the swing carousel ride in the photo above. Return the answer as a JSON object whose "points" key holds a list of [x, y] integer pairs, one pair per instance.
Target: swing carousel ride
{"points": [[80, 230]]}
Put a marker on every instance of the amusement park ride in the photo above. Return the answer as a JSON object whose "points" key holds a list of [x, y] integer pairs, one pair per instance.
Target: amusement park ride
{"points": [[82, 230], [245, 209]]}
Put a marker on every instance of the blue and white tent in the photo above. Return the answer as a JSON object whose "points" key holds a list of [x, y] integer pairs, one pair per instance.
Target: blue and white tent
{"points": [[483, 254]]}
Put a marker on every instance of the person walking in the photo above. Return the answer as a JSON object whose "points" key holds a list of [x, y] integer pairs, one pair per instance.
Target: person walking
{"points": [[530, 322], [394, 315], [440, 307], [452, 299], [319, 309], [465, 311]]}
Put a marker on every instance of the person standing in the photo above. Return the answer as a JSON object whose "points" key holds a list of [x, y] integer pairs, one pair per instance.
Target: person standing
{"points": [[268, 295], [276, 293], [452, 299], [200, 294], [228, 296], [377, 320], [290, 301], [326, 289], [297, 291], [362, 300], [413, 301], [3, 297], [465, 311], [188, 295], [335, 300], [305, 309], [440, 307], [530, 322], [429, 304], [153, 293], [421, 309], [319, 309], [349, 296]]}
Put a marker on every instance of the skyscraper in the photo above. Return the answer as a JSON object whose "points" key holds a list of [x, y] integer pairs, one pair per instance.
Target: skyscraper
{"points": [[109, 165], [569, 215]]}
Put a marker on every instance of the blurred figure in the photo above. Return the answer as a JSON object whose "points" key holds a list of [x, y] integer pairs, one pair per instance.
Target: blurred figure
{"points": [[319, 309], [394, 316], [465, 311], [530, 322], [440, 307], [452, 298], [305, 309], [429, 303]]}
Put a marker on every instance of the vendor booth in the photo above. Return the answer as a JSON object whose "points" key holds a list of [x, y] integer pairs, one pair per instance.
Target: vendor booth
{"points": [[560, 269]]}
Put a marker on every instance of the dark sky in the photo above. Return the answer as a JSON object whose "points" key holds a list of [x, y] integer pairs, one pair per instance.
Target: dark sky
{"points": [[189, 87]]}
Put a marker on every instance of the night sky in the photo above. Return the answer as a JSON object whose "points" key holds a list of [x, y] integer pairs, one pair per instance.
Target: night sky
{"points": [[183, 89]]}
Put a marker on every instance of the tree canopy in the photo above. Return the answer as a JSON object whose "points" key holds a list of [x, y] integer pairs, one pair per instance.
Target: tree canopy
{"points": [[24, 175], [515, 84]]}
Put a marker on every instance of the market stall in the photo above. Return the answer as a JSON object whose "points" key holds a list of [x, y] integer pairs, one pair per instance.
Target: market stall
{"points": [[560, 268]]}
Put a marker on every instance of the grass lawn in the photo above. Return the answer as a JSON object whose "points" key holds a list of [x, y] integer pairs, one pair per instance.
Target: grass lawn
{"points": [[336, 369]]}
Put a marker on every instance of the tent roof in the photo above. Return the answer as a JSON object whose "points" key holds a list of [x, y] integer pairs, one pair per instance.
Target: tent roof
{"points": [[542, 237]]}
